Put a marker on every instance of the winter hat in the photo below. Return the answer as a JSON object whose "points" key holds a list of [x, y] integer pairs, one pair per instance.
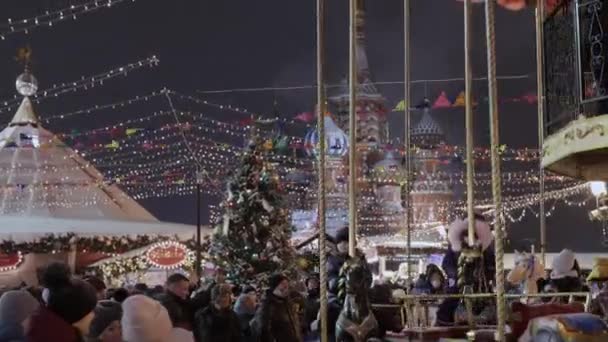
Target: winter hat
{"points": [[598, 273], [145, 320], [106, 312], [342, 235], [72, 299], [16, 306], [563, 265], [49, 274], [97, 283], [275, 280]]}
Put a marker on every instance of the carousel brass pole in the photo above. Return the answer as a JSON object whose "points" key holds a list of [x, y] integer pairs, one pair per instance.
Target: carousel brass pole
{"points": [[540, 84], [496, 176], [321, 168], [352, 134], [469, 120], [407, 138]]}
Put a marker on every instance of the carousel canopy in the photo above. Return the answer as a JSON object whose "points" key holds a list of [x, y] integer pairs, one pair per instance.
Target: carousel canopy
{"points": [[46, 187]]}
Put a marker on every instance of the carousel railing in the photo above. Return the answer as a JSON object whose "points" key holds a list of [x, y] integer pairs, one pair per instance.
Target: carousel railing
{"points": [[415, 310]]}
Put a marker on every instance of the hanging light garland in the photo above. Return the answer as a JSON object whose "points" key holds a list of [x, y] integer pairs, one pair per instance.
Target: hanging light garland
{"points": [[82, 83], [49, 18]]}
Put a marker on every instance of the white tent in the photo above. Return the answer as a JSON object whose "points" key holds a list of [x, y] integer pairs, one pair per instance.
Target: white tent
{"points": [[46, 187]]}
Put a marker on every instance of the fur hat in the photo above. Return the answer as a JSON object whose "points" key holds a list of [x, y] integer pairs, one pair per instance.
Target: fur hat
{"points": [[73, 300], [341, 235], [145, 320], [563, 265], [16, 306], [106, 312], [275, 280], [483, 233]]}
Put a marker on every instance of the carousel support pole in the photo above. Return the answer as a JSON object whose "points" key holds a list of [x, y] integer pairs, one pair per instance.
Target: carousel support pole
{"points": [[540, 84], [496, 176], [321, 166], [407, 138], [469, 121], [199, 259], [352, 134]]}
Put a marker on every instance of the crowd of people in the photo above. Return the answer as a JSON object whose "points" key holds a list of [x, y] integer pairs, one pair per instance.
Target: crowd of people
{"points": [[67, 308]]}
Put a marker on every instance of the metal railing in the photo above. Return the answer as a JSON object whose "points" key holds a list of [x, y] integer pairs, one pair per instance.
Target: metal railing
{"points": [[413, 305]]}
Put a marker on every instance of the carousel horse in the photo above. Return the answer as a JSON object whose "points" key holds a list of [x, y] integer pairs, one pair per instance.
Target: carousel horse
{"points": [[469, 266], [356, 322], [526, 272]]}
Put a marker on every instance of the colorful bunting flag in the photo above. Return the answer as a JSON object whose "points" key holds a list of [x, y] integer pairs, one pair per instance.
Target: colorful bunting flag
{"points": [[131, 131], [305, 117], [400, 107], [113, 145], [530, 98], [460, 100], [442, 101]]}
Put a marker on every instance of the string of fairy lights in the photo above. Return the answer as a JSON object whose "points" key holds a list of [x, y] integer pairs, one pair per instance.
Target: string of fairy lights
{"points": [[50, 18], [146, 157], [83, 83]]}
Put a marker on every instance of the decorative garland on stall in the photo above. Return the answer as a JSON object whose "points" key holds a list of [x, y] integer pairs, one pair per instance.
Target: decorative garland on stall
{"points": [[52, 243], [141, 263]]}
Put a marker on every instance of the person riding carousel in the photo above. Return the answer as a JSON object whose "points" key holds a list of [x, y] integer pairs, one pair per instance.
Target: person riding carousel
{"points": [[468, 267]]}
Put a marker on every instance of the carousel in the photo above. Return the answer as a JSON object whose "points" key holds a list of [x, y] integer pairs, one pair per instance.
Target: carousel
{"points": [[478, 305]]}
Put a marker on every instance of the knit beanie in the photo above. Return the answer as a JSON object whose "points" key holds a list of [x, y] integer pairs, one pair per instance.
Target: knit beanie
{"points": [[97, 283], [275, 280], [106, 312], [72, 300], [16, 306], [145, 320]]}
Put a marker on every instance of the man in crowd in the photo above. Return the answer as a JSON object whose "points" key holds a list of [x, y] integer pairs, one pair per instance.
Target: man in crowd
{"points": [[275, 320], [217, 322], [175, 300]]}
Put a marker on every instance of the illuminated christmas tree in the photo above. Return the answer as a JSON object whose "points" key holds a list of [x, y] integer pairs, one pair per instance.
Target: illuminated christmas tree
{"points": [[254, 239]]}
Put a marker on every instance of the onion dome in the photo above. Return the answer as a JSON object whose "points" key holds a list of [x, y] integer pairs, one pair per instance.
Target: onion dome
{"points": [[427, 133], [336, 141]]}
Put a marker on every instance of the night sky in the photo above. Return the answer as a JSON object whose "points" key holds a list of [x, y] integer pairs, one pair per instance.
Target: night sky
{"points": [[210, 45]]}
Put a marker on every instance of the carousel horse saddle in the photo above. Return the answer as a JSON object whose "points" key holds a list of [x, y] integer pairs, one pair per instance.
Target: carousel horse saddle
{"points": [[577, 327], [583, 323], [358, 332]]}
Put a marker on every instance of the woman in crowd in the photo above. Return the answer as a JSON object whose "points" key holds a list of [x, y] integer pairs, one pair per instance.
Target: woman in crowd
{"points": [[69, 308], [105, 327], [16, 307]]}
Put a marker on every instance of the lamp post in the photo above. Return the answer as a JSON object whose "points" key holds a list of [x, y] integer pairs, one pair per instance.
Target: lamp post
{"points": [[199, 182], [599, 190]]}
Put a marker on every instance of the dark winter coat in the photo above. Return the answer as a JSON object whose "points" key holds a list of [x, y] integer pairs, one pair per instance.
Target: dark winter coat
{"points": [[11, 332], [245, 317], [46, 326], [214, 325], [311, 309], [202, 298], [276, 320], [334, 264], [445, 314], [180, 310]]}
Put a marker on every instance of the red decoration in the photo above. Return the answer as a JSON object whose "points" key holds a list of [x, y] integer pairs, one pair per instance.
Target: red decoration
{"points": [[513, 5], [168, 254], [10, 261], [442, 101]]}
